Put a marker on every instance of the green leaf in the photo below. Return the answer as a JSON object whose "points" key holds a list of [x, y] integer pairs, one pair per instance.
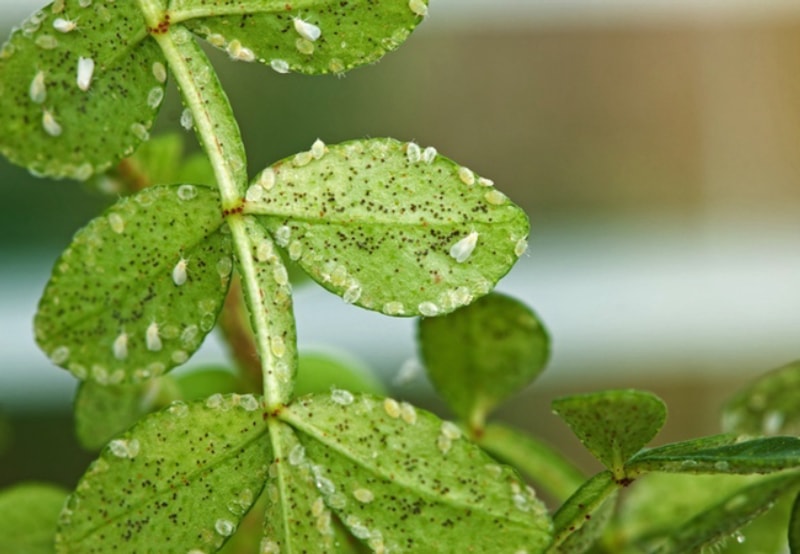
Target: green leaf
{"points": [[548, 468], [724, 519], [102, 411], [203, 382], [401, 478], [763, 455], [794, 527], [297, 519], [316, 36], [613, 425], [62, 121], [139, 287], [181, 479], [380, 224], [577, 512], [660, 504], [481, 354], [767, 406], [318, 372], [28, 514]]}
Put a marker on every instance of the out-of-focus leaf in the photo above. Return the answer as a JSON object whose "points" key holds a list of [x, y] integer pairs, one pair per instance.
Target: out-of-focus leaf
{"points": [[28, 515], [763, 455], [768, 406], [794, 527], [481, 354], [80, 86], [139, 287], [319, 372], [388, 227], [205, 381], [613, 425], [181, 479], [401, 479], [317, 36], [724, 519]]}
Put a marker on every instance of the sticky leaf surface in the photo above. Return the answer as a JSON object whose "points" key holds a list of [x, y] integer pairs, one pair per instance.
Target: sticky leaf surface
{"points": [[754, 456], [768, 406], [79, 88], [613, 425], [181, 479], [401, 479], [479, 355], [383, 228], [139, 287], [28, 515], [313, 36]]}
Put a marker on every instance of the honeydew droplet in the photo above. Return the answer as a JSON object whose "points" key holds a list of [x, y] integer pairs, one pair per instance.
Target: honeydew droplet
{"points": [[85, 73], [364, 495], [342, 397], [187, 119], [51, 126], [279, 66], [116, 223], [317, 149], [391, 407], [413, 152], [38, 90], [418, 7], [466, 175], [428, 309], [307, 30], [120, 347], [159, 72], [324, 485], [463, 249], [224, 527]]}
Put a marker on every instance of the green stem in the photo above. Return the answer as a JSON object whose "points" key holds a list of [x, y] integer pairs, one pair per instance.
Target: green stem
{"points": [[266, 292], [578, 509], [547, 467]]}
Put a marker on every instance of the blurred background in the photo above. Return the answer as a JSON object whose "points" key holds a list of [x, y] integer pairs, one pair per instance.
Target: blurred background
{"points": [[653, 143]]}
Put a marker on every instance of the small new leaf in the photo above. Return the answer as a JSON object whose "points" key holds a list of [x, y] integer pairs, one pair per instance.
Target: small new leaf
{"points": [[377, 225], [181, 479], [79, 88], [321, 36], [768, 406], [763, 455], [479, 355], [613, 425], [139, 287], [402, 480], [28, 515]]}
